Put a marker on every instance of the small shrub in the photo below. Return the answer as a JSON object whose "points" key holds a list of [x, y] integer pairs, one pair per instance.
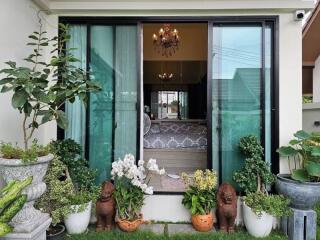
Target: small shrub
{"points": [[275, 205], [7, 150]]}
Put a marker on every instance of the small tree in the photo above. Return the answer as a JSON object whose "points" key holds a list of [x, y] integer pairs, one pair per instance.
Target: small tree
{"points": [[255, 174], [37, 97]]}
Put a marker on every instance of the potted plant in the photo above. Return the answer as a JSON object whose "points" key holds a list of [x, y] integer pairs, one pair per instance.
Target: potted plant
{"points": [[130, 186], [39, 91], [59, 186], [200, 198], [259, 208], [77, 212], [11, 202], [302, 185]]}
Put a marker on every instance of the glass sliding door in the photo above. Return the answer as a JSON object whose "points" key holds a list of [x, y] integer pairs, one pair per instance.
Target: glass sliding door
{"points": [[100, 111], [112, 113], [240, 104]]}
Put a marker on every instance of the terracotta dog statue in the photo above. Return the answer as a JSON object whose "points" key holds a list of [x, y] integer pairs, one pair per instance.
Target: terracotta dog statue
{"points": [[105, 208], [226, 207]]}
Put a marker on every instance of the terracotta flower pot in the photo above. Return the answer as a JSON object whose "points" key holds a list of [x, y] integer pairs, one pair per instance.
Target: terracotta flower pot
{"points": [[129, 226], [202, 223]]}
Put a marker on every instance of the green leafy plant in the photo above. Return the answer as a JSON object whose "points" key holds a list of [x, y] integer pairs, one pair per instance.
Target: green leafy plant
{"points": [[303, 153], [275, 205], [11, 202], [200, 196], [59, 187], [9, 151], [255, 174], [129, 199], [131, 185], [70, 152], [39, 91]]}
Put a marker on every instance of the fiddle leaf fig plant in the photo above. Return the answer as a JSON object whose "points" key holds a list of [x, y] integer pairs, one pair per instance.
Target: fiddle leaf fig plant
{"points": [[41, 87], [303, 153]]}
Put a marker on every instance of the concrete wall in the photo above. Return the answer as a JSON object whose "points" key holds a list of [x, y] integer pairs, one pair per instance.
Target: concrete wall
{"points": [[18, 19], [316, 81], [311, 117]]}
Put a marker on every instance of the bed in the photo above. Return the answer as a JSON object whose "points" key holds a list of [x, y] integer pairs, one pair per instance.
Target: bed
{"points": [[176, 135], [179, 146]]}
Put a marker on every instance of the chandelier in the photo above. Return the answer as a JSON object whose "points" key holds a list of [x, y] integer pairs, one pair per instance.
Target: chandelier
{"points": [[166, 76], [167, 40]]}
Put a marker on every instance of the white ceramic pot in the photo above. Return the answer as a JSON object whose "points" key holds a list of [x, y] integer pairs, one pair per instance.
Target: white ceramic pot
{"points": [[257, 226], [77, 223]]}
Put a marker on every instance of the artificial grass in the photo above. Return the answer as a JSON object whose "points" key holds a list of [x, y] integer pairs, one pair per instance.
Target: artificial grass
{"points": [[144, 235]]}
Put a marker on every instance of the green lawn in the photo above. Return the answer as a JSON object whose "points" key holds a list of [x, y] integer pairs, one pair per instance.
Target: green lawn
{"points": [[141, 235]]}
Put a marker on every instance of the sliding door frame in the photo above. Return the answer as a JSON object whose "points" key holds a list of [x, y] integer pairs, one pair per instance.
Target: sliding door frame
{"points": [[210, 20]]}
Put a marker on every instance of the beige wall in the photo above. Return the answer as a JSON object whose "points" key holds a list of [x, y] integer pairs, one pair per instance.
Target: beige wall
{"points": [[18, 19]]}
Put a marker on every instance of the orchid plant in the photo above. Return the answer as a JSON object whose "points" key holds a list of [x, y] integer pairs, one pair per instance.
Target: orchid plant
{"points": [[131, 183]]}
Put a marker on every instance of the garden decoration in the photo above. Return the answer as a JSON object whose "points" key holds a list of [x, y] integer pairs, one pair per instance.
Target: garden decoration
{"points": [[131, 184], [39, 91], [199, 198], [259, 207], [11, 202], [59, 186], [226, 207], [302, 185], [105, 208]]}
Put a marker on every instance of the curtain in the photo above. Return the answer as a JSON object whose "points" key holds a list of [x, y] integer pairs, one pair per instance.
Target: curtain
{"points": [[126, 79], [76, 111]]}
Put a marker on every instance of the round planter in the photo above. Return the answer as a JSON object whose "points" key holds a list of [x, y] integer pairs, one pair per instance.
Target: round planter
{"points": [[202, 223], [77, 223], [257, 226], [55, 232], [28, 218], [302, 195], [129, 226]]}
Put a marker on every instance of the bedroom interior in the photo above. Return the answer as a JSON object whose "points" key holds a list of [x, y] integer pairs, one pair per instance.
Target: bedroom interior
{"points": [[175, 100]]}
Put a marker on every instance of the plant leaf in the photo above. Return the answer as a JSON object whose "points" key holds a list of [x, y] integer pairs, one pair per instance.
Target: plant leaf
{"points": [[300, 175], [62, 119], [313, 168], [19, 98], [287, 151], [302, 135]]}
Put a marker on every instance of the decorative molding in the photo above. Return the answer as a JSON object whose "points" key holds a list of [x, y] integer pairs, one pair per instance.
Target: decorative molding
{"points": [[86, 6]]}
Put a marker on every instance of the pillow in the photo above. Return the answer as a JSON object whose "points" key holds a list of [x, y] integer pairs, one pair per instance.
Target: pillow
{"points": [[155, 128], [146, 124]]}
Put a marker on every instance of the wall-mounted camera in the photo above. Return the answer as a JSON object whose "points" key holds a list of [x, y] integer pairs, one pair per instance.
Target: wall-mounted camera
{"points": [[299, 15]]}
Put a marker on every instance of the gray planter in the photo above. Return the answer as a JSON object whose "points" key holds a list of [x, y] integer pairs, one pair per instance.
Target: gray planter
{"points": [[29, 218], [303, 196]]}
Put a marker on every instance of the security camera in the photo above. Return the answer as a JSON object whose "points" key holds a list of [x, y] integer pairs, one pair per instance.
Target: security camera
{"points": [[299, 15]]}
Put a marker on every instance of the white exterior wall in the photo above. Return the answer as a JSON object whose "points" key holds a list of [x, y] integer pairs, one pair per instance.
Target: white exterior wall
{"points": [[18, 19], [316, 81], [22, 19]]}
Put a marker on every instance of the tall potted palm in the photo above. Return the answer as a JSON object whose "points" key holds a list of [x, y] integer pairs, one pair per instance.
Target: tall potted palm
{"points": [[302, 185], [39, 90]]}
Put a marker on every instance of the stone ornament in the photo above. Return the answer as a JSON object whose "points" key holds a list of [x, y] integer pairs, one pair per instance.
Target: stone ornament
{"points": [[28, 218], [105, 208], [226, 207]]}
